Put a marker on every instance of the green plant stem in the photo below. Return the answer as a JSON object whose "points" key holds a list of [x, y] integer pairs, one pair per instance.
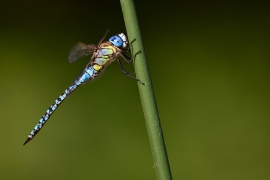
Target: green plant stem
{"points": [[161, 162]]}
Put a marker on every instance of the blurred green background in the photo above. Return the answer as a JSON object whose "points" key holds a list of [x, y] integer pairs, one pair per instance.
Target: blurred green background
{"points": [[210, 67]]}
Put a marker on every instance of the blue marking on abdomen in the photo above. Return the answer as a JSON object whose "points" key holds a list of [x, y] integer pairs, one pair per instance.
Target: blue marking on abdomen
{"points": [[86, 75]]}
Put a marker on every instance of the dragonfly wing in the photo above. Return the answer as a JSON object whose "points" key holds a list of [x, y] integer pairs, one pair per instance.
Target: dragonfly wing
{"points": [[80, 50]]}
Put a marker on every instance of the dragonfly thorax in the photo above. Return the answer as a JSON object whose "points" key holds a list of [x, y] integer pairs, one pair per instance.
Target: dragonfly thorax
{"points": [[119, 40]]}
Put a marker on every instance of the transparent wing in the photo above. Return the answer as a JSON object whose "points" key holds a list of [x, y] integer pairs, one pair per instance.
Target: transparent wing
{"points": [[108, 30], [80, 50]]}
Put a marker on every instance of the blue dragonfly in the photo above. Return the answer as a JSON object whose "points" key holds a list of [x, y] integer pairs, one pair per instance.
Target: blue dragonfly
{"points": [[102, 54]]}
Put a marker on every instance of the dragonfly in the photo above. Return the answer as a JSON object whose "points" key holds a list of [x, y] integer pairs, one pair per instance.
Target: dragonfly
{"points": [[102, 55]]}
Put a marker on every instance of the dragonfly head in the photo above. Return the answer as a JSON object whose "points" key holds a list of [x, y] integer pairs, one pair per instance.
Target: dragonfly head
{"points": [[119, 40]]}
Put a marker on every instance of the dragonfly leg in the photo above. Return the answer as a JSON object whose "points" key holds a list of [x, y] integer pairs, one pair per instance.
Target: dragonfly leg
{"points": [[128, 59], [127, 73]]}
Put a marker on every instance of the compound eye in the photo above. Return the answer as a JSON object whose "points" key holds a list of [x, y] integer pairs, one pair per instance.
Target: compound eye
{"points": [[116, 40]]}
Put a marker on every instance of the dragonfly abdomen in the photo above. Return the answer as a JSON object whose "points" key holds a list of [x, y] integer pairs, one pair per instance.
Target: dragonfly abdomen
{"points": [[85, 75], [49, 112]]}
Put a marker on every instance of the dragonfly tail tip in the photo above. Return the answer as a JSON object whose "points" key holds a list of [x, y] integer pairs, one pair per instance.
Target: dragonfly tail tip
{"points": [[27, 140]]}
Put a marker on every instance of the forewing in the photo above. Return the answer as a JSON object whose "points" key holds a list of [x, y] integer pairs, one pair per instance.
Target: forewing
{"points": [[80, 50]]}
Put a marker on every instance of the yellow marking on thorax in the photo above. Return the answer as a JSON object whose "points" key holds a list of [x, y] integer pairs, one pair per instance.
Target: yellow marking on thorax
{"points": [[97, 67], [108, 45], [113, 48]]}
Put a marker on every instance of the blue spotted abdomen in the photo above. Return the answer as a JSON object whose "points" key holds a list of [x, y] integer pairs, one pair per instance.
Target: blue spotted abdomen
{"points": [[86, 74]]}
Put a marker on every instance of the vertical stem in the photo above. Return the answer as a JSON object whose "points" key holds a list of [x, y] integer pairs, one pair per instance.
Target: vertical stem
{"points": [[161, 162]]}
